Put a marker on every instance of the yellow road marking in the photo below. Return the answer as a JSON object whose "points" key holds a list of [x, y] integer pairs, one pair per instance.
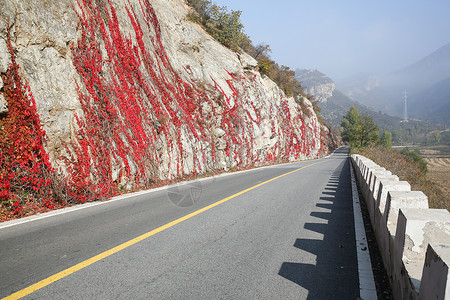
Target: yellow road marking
{"points": [[90, 261]]}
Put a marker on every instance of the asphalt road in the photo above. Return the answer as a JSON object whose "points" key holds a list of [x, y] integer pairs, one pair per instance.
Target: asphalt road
{"points": [[290, 238]]}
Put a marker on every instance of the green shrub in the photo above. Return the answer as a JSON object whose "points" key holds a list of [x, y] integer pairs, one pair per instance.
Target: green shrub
{"points": [[417, 158], [386, 140], [226, 27]]}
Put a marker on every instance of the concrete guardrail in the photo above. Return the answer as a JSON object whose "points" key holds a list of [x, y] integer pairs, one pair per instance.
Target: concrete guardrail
{"points": [[414, 241]]}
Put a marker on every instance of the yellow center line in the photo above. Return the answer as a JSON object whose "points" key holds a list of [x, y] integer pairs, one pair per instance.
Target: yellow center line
{"points": [[90, 261]]}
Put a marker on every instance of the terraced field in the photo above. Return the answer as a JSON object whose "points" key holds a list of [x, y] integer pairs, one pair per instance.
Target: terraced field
{"points": [[438, 160]]}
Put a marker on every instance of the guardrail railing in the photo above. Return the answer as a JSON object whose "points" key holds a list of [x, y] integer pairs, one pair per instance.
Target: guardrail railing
{"points": [[414, 240]]}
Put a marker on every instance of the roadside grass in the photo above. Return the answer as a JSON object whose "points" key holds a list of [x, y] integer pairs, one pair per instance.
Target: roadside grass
{"points": [[409, 167], [438, 160]]}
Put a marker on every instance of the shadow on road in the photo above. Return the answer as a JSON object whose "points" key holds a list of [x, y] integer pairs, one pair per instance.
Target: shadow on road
{"points": [[335, 274], [340, 153]]}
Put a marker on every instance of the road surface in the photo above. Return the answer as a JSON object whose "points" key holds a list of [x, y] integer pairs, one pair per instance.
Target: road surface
{"points": [[291, 237]]}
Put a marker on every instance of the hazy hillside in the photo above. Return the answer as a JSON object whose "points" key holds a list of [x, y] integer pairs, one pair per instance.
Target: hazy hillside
{"points": [[333, 103], [425, 81], [336, 106], [432, 104], [316, 83], [422, 74]]}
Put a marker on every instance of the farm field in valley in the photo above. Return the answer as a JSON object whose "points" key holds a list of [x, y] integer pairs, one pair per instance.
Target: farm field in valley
{"points": [[438, 160]]}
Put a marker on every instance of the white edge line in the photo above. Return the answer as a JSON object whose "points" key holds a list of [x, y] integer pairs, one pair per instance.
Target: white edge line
{"points": [[367, 287], [76, 207]]}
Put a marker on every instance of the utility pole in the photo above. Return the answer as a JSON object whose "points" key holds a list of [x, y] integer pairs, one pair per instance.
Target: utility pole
{"points": [[405, 109]]}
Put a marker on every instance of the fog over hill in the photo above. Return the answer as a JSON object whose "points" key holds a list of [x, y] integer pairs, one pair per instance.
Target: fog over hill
{"points": [[334, 104], [426, 84], [423, 74], [432, 103]]}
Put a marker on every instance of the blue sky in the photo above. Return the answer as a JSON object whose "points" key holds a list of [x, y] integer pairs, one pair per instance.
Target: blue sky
{"points": [[345, 37]]}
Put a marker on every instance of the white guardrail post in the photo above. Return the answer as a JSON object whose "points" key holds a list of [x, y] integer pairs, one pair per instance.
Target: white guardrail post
{"points": [[414, 241]]}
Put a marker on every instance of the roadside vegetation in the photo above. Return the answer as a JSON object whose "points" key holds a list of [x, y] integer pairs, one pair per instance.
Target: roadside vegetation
{"points": [[226, 27], [409, 166], [438, 163], [363, 136]]}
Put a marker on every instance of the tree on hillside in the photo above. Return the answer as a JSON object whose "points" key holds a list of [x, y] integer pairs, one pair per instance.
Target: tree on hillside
{"points": [[359, 131], [386, 140], [259, 49], [351, 120], [202, 7], [369, 133], [226, 26]]}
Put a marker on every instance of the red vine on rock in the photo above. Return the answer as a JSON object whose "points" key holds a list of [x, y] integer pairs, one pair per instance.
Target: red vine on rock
{"points": [[25, 170], [136, 109], [132, 100]]}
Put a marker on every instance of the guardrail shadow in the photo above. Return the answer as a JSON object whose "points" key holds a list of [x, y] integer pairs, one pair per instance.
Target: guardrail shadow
{"points": [[335, 274]]}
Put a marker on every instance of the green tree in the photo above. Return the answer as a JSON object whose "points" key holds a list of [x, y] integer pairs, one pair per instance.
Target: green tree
{"points": [[436, 136], [265, 66], [202, 8], [359, 131], [226, 26], [369, 132], [259, 49], [386, 140], [351, 121]]}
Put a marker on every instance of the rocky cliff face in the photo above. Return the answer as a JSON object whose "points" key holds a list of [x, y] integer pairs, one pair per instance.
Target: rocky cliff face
{"points": [[130, 92], [316, 84]]}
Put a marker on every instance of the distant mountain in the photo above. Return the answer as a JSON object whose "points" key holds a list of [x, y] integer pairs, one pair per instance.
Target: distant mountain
{"points": [[425, 83], [432, 103], [423, 74], [316, 83], [367, 90], [333, 103], [334, 107]]}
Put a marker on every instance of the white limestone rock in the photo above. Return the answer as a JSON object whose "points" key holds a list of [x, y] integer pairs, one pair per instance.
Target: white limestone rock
{"points": [[42, 33], [5, 57]]}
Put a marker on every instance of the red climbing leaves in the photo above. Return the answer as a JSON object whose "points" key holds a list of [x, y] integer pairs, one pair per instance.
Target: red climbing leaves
{"points": [[25, 169]]}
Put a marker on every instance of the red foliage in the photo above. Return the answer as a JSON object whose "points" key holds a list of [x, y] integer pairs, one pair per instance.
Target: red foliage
{"points": [[132, 100], [25, 169]]}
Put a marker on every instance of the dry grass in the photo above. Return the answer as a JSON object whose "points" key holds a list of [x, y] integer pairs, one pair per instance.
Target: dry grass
{"points": [[438, 160], [408, 170]]}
